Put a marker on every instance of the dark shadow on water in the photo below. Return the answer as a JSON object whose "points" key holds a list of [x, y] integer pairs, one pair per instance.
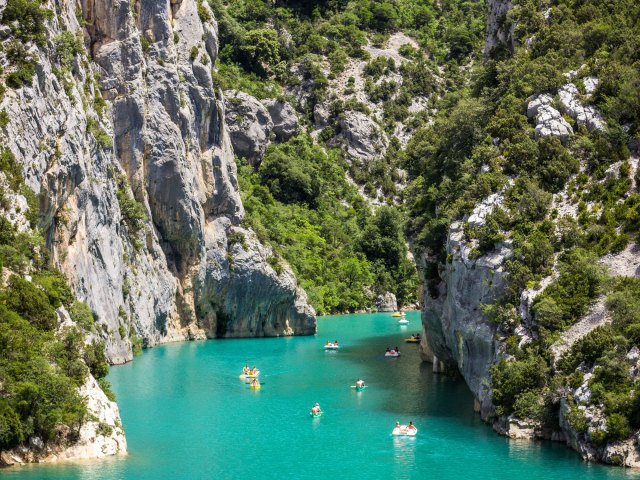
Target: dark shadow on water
{"points": [[411, 386]]}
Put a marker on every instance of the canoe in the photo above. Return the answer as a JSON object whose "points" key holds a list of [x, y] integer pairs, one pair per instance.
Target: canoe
{"points": [[412, 340], [404, 432]]}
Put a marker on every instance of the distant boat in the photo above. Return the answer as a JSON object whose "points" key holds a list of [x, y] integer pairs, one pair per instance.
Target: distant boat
{"points": [[412, 340], [403, 321], [396, 314]]}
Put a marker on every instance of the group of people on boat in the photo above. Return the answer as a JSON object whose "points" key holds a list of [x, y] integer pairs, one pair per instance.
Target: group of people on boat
{"points": [[329, 344], [315, 410], [415, 336], [394, 351], [405, 429], [250, 371]]}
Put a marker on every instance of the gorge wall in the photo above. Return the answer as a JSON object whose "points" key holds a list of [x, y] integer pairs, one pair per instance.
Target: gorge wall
{"points": [[127, 149]]}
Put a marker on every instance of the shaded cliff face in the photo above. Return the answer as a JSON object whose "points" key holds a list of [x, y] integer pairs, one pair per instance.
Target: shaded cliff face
{"points": [[128, 151]]}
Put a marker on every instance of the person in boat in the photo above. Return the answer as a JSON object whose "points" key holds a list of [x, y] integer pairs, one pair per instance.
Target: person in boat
{"points": [[335, 343], [316, 409], [359, 383], [411, 427], [398, 426], [328, 344], [396, 350], [388, 350], [254, 370], [245, 369], [255, 382]]}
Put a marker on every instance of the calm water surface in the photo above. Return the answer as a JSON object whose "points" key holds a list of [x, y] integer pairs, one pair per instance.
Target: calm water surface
{"points": [[188, 415]]}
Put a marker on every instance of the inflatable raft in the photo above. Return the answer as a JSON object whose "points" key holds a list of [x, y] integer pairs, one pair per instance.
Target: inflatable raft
{"points": [[393, 353], [331, 346], [404, 431]]}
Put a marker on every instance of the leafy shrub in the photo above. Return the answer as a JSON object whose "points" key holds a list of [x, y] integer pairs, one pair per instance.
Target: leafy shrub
{"points": [[509, 380], [30, 302]]}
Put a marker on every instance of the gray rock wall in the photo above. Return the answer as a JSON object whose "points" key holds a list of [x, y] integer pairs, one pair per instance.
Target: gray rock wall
{"points": [[161, 140], [458, 335]]}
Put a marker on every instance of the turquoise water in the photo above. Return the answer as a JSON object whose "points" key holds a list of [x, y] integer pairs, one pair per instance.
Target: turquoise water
{"points": [[188, 415]]}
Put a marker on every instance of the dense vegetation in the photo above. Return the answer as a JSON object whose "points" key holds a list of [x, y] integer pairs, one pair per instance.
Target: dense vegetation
{"points": [[300, 202], [41, 368], [481, 139]]}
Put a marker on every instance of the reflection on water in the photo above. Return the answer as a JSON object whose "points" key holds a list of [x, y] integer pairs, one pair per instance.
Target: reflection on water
{"points": [[404, 451]]}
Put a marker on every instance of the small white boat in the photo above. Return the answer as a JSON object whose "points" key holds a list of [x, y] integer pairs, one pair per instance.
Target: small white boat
{"points": [[403, 321], [404, 431], [392, 353], [331, 346]]}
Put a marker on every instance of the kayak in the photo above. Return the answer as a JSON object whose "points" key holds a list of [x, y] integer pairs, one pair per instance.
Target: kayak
{"points": [[412, 340], [392, 354], [315, 415], [403, 321], [244, 375], [331, 347], [396, 314], [403, 431], [254, 387]]}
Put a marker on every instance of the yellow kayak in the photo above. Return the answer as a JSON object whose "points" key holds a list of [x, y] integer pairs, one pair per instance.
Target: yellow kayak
{"points": [[412, 340], [248, 375], [396, 314], [254, 387]]}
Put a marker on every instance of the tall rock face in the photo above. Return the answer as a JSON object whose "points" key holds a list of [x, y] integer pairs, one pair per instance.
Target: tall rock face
{"points": [[500, 33], [128, 152], [458, 336]]}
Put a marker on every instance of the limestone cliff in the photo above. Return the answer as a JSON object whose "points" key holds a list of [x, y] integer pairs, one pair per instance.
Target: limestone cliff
{"points": [[135, 121]]}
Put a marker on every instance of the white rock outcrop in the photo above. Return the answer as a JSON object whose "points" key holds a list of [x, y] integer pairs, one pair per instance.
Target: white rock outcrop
{"points": [[549, 121], [572, 106]]}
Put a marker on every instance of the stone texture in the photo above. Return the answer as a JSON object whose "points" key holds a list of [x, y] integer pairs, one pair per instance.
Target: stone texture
{"points": [[458, 335], [363, 139], [549, 121], [572, 106], [249, 124], [284, 119], [386, 302]]}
